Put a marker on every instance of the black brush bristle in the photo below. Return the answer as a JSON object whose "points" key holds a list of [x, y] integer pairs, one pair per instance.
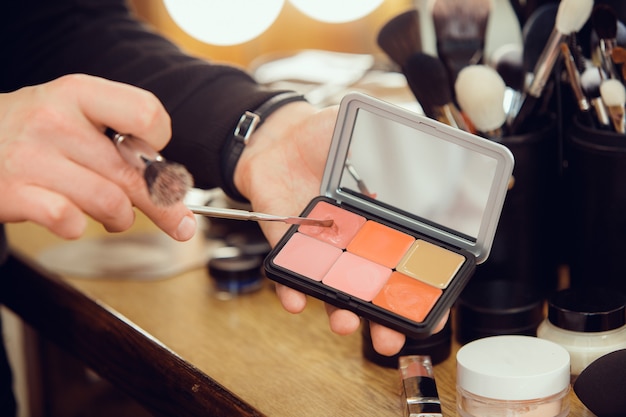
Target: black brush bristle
{"points": [[167, 182], [400, 37], [428, 79], [604, 21], [536, 32]]}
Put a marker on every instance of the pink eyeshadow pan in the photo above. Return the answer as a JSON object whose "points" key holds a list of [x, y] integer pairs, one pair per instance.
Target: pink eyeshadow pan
{"points": [[357, 276], [381, 244], [307, 256], [407, 297], [346, 225]]}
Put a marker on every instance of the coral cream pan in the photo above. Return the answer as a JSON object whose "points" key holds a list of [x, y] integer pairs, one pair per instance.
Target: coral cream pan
{"points": [[415, 208]]}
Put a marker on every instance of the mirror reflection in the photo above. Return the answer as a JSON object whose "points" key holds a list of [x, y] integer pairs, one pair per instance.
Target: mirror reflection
{"points": [[430, 178]]}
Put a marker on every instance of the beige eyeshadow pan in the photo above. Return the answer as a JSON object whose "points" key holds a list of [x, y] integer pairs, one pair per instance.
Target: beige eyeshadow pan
{"points": [[430, 263]]}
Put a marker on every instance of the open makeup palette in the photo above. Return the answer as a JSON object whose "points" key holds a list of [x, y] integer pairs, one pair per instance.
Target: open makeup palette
{"points": [[415, 205]]}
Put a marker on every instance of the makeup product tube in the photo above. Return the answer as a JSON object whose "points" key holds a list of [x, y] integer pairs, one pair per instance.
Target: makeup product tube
{"points": [[589, 323], [513, 376], [235, 273], [419, 390]]}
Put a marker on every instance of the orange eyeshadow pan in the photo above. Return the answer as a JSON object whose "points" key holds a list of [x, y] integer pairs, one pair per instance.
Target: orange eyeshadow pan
{"points": [[407, 296], [380, 243]]}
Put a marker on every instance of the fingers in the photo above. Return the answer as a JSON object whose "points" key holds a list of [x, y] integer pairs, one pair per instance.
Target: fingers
{"points": [[46, 208], [122, 107], [385, 340], [342, 322], [293, 301]]}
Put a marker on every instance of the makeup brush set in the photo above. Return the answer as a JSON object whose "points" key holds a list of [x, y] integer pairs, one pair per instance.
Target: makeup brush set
{"points": [[506, 92]]}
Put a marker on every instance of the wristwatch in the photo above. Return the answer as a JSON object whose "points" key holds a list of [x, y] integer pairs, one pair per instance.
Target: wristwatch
{"points": [[247, 124]]}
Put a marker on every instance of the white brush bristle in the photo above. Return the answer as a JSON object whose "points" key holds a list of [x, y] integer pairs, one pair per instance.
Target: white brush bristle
{"points": [[480, 92], [613, 93], [572, 15]]}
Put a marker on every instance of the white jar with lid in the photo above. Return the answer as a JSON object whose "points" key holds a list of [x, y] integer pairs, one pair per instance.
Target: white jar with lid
{"points": [[588, 323], [513, 376]]}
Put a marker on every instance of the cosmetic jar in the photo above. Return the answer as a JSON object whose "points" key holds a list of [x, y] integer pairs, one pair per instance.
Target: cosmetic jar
{"points": [[513, 376], [234, 272], [588, 323]]}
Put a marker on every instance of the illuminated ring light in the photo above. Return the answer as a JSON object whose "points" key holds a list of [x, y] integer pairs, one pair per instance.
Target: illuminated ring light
{"points": [[224, 23], [336, 11]]}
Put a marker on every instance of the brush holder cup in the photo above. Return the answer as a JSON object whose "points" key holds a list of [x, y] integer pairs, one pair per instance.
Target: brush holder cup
{"points": [[507, 292], [596, 207]]}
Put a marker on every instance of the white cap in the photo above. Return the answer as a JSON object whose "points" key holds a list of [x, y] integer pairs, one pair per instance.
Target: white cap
{"points": [[513, 368]]}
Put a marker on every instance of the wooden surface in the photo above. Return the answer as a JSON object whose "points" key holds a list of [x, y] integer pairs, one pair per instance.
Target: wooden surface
{"points": [[179, 350]]}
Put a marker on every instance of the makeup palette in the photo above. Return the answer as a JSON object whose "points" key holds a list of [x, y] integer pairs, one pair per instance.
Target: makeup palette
{"points": [[415, 205]]}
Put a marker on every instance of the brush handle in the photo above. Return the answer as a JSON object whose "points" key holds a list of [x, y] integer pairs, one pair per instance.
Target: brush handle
{"points": [[134, 150], [545, 63]]}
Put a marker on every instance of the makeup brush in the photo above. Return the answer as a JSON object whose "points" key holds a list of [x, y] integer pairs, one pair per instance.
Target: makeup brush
{"points": [[428, 79], [590, 81], [571, 16], [600, 386], [236, 214], [604, 23], [167, 182], [508, 61], [613, 95], [400, 37], [483, 105], [573, 77], [460, 27]]}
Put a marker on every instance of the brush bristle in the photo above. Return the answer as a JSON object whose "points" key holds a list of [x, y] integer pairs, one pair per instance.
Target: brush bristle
{"points": [[483, 106], [400, 37], [509, 62], [613, 93], [572, 15], [604, 21], [590, 81], [168, 182], [428, 79]]}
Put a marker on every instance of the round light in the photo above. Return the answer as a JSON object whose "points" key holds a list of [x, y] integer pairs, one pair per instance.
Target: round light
{"points": [[334, 11], [223, 23]]}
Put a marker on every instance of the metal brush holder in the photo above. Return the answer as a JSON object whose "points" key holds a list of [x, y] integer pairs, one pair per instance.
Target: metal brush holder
{"points": [[506, 294]]}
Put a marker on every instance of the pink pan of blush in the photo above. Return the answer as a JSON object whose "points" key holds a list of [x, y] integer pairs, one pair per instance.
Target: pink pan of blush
{"points": [[307, 256], [407, 297], [357, 276], [347, 224], [381, 244]]}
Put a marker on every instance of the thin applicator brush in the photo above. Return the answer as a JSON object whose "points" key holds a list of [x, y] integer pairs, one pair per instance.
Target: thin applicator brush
{"points": [[236, 214], [570, 18], [400, 37], [483, 106], [428, 79], [167, 182], [613, 95], [573, 77], [590, 81]]}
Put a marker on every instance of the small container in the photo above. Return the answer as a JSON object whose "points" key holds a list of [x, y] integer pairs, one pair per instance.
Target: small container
{"points": [[588, 323], [234, 272], [513, 376]]}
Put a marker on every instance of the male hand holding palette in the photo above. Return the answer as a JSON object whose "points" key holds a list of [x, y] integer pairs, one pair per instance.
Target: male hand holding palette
{"points": [[275, 143]]}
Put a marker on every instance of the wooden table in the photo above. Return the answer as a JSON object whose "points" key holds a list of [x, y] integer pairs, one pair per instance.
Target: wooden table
{"points": [[180, 351]]}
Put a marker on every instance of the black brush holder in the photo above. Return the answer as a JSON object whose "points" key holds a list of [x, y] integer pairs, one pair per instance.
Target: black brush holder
{"points": [[506, 294]]}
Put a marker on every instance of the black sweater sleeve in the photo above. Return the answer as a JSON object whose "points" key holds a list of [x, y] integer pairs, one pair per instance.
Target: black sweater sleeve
{"points": [[43, 39]]}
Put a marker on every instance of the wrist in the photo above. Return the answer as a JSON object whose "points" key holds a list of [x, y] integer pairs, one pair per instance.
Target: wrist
{"points": [[245, 133]]}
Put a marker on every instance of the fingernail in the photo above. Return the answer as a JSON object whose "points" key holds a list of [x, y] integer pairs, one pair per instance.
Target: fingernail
{"points": [[186, 228]]}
